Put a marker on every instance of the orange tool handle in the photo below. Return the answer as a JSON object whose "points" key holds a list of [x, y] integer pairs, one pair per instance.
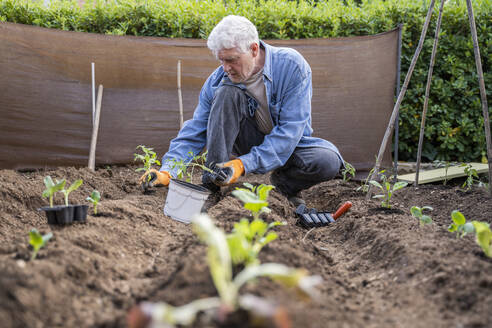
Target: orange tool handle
{"points": [[344, 208]]}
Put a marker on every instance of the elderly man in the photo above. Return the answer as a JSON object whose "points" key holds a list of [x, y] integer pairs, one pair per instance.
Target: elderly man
{"points": [[254, 116]]}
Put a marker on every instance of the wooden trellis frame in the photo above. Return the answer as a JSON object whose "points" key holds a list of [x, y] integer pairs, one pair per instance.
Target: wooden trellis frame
{"points": [[396, 108]]}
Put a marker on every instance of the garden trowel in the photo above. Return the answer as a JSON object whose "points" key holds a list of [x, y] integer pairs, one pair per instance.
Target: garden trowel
{"points": [[311, 218]]}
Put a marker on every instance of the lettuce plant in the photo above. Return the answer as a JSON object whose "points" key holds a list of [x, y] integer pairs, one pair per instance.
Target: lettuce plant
{"points": [[247, 239], [417, 212], [73, 186], [37, 241], [254, 198], [387, 188], [459, 225], [52, 188], [94, 198]]}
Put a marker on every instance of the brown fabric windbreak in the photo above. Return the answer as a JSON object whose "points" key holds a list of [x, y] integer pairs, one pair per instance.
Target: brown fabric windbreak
{"points": [[46, 93]]}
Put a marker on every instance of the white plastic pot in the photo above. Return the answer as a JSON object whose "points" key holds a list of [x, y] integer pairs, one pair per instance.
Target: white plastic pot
{"points": [[184, 200]]}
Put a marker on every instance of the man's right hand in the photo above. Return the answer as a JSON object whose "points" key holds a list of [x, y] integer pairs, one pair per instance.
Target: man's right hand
{"points": [[153, 178]]}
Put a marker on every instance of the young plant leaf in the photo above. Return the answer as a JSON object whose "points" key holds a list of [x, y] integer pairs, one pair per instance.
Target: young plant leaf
{"points": [[37, 241], [94, 198], [458, 218], [72, 187], [483, 237]]}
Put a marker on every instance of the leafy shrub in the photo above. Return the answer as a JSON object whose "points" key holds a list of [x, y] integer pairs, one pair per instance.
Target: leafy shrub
{"points": [[454, 129]]}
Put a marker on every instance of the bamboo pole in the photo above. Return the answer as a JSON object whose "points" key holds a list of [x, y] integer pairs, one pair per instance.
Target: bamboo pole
{"points": [[400, 98], [427, 91], [93, 92], [397, 92], [483, 94], [180, 98], [95, 128]]}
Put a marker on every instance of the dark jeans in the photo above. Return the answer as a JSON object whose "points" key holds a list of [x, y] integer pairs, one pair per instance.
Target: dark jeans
{"points": [[232, 130]]}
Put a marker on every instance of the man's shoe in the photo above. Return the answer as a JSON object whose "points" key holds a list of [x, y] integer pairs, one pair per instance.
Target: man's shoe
{"points": [[296, 201]]}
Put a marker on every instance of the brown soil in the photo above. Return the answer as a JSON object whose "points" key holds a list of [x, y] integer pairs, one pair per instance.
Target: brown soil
{"points": [[380, 269]]}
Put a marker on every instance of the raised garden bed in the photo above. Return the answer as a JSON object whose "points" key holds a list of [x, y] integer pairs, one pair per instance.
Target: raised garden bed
{"points": [[380, 268]]}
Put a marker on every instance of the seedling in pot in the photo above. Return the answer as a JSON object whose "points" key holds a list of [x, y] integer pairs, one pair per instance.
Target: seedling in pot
{"points": [[254, 198], [94, 198], [459, 225], [37, 241], [74, 186], [348, 171], [247, 239], [148, 159], [387, 188], [52, 188], [417, 212]]}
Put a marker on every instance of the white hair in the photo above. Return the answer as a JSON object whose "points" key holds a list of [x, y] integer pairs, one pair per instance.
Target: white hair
{"points": [[233, 32]]}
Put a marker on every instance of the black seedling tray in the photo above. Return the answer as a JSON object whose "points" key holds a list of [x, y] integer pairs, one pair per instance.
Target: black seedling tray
{"points": [[80, 213], [311, 218], [63, 215]]}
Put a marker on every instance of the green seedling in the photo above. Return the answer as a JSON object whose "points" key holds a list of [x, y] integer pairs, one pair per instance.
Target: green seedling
{"points": [[348, 171], [459, 225], [471, 176], [364, 187], [74, 186], [254, 198], [181, 166], [483, 234], [52, 188], [446, 165], [228, 287], [148, 158], [94, 198], [483, 237], [417, 212], [387, 188], [247, 239], [37, 241]]}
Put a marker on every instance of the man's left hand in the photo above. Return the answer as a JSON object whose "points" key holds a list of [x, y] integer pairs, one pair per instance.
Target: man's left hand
{"points": [[229, 172]]}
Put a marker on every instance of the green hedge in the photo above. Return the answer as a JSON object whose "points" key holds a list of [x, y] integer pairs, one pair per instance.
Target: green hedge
{"points": [[454, 129]]}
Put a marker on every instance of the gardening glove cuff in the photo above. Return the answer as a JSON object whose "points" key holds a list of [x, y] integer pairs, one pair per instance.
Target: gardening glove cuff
{"points": [[232, 169], [154, 178]]}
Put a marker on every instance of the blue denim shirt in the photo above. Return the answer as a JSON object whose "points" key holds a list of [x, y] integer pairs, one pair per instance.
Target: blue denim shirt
{"points": [[288, 83]]}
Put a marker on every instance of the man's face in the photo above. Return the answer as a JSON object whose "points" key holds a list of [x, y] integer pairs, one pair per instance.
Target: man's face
{"points": [[238, 66]]}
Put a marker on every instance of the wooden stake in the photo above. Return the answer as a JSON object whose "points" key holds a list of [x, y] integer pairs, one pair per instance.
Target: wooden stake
{"points": [[95, 128], [483, 94], [180, 98], [400, 98], [427, 91]]}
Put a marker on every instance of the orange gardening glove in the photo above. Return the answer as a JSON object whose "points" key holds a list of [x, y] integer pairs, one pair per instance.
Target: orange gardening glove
{"points": [[230, 172], [154, 178]]}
